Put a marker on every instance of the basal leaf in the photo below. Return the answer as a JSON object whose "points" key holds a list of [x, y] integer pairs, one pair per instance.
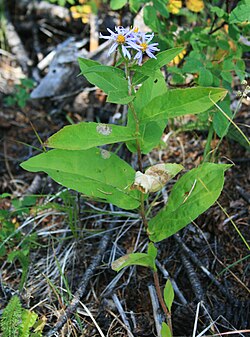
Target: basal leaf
{"points": [[134, 259], [86, 135], [137, 259], [165, 330], [168, 295], [192, 195], [96, 173]]}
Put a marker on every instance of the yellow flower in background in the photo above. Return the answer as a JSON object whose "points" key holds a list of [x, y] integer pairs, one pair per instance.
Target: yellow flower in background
{"points": [[81, 12], [178, 58], [195, 5], [174, 6]]}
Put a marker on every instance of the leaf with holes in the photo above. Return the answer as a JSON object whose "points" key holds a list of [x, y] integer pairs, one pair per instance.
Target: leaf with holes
{"points": [[85, 135], [96, 173]]}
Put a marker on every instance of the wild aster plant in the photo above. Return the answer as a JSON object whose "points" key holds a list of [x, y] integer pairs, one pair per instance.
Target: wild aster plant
{"points": [[143, 46], [124, 37], [134, 40]]}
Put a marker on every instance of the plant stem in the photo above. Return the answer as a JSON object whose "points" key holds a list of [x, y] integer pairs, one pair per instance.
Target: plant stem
{"points": [[137, 123], [162, 302]]}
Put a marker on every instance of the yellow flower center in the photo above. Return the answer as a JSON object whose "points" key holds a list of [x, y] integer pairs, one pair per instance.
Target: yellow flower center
{"points": [[120, 39], [143, 46], [136, 29]]}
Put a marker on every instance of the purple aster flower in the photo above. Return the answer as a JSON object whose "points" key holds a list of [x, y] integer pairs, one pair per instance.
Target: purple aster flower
{"points": [[143, 46], [124, 37]]}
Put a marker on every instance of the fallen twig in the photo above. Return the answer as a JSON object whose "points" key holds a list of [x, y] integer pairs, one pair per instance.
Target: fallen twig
{"points": [[122, 313], [71, 309], [156, 309], [195, 260]]}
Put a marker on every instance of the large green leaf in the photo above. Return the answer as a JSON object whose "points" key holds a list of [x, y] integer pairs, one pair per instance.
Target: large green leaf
{"points": [[149, 133], [109, 79], [192, 195], [137, 259], [180, 102], [84, 135], [96, 173], [171, 103]]}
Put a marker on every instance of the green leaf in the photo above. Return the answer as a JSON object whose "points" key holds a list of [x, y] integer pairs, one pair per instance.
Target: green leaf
{"points": [[165, 330], [223, 44], [86, 135], [28, 320], [107, 78], [134, 5], [180, 102], [240, 14], [172, 103], [96, 173], [206, 77], [119, 97], [23, 260], [192, 65], [192, 195], [152, 65], [227, 76], [152, 250], [218, 11], [168, 295], [117, 4], [160, 6], [234, 134], [150, 134], [150, 17], [220, 122], [137, 259]]}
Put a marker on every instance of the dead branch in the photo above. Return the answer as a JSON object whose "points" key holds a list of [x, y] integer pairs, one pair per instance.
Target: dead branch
{"points": [[15, 44], [47, 10], [90, 271]]}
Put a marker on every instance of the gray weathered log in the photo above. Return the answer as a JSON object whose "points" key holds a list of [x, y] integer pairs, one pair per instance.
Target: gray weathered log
{"points": [[15, 43], [45, 9], [62, 76]]}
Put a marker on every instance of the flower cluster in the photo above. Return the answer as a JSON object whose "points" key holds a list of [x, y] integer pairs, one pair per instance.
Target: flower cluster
{"points": [[132, 43], [174, 6]]}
